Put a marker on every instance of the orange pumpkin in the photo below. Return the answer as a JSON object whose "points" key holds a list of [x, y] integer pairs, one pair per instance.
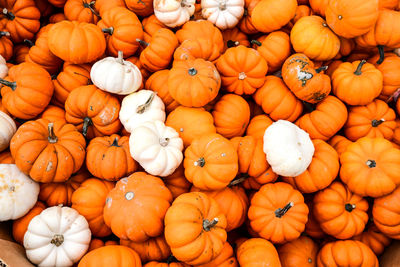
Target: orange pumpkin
{"points": [[20, 52], [257, 251], [313, 227], [113, 255], [197, 48], [177, 182], [245, 24], [81, 10], [6, 158], [143, 8], [104, 5], [53, 113], [153, 249], [300, 252], [258, 125], [158, 82], [301, 11], [396, 135], [386, 214], [374, 239], [319, 6], [57, 17], [98, 243], [6, 45], [234, 37], [225, 259], [339, 143], [150, 25]]}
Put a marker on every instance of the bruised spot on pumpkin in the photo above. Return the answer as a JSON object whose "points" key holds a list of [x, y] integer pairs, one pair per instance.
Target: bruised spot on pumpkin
{"points": [[317, 96], [49, 166]]}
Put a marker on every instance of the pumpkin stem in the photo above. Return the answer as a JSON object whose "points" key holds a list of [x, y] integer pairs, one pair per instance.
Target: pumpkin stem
{"points": [[376, 123], [90, 5], [110, 30], [3, 33], [171, 258], [142, 108], [242, 75], [280, 212], [9, 15], [86, 123], [350, 207], [255, 42], [115, 142], [192, 71], [164, 141], [29, 42], [381, 54], [120, 57], [359, 67], [52, 136], [57, 240], [207, 225], [12, 85], [239, 180], [89, 80], [323, 68], [141, 42], [200, 162], [371, 163], [394, 96], [231, 43]]}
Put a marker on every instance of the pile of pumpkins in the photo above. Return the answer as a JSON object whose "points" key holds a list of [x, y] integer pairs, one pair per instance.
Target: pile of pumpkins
{"points": [[200, 133]]}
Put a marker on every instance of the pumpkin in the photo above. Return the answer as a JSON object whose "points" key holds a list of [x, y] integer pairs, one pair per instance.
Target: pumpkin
{"points": [[8, 129], [122, 28], [373, 120], [396, 135], [57, 3], [177, 182], [153, 249], [57, 17], [257, 126], [339, 143], [113, 255], [150, 25], [299, 252], [18, 192], [81, 10], [321, 172], [158, 82], [20, 51], [257, 251], [277, 100], [195, 228], [6, 158], [351, 19], [234, 37], [147, 196], [319, 6], [53, 113], [89, 200], [54, 194], [20, 18], [370, 167], [224, 14], [165, 264], [346, 253], [271, 15], [197, 48], [288, 148], [174, 13], [231, 115], [210, 162], [182, 118], [6, 46], [20, 225], [313, 227], [140, 107], [27, 90], [331, 111], [246, 24], [76, 42], [141, 8], [104, 5], [92, 111], [278, 213], [225, 259], [374, 239], [301, 11], [98, 243], [346, 47], [158, 53], [303, 80], [357, 83], [50, 234], [242, 70], [385, 213]]}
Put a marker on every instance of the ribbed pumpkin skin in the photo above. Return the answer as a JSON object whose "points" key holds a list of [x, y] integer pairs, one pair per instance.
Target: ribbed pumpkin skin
{"points": [[374, 239], [114, 255], [257, 251], [300, 252], [153, 249], [386, 214]]}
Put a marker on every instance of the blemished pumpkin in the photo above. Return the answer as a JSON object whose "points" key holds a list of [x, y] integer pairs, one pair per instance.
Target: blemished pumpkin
{"points": [[47, 151], [257, 251], [385, 213], [153, 249], [147, 195], [300, 252], [278, 213], [374, 239], [371, 167], [114, 255], [195, 228]]}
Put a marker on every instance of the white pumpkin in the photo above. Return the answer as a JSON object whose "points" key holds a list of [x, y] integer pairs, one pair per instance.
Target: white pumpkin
{"points": [[7, 130], [222, 13], [18, 192], [157, 148], [116, 76], [174, 13], [3, 67], [288, 148], [140, 107], [58, 236]]}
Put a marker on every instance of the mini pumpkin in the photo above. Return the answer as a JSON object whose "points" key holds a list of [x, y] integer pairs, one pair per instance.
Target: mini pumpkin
{"points": [[83, 11], [174, 13], [197, 48], [385, 213], [300, 252], [374, 239], [153, 249], [6, 46], [113, 255], [258, 125], [234, 37], [339, 143], [177, 182], [224, 14], [158, 82], [225, 259], [257, 251], [53, 113]]}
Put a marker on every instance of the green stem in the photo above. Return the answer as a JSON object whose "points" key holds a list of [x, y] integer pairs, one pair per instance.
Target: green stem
{"points": [[110, 30], [86, 123], [115, 142], [376, 123], [200, 162], [359, 67], [141, 42], [381, 54], [255, 42], [323, 68], [9, 15], [207, 225], [12, 85], [280, 212], [4, 33], [91, 7], [29, 42]]}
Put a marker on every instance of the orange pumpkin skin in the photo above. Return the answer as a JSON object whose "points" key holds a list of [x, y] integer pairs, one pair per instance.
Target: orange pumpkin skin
{"points": [[231, 115], [257, 251], [143, 8], [150, 25], [193, 83], [396, 135], [346, 47], [81, 10], [258, 125], [103, 5], [245, 24], [277, 206], [351, 19], [274, 48], [320, 173], [357, 83], [300, 252], [301, 11], [145, 73], [268, 15], [277, 100], [113, 255], [203, 222], [53, 113], [158, 53], [93, 111], [371, 167], [312, 36], [98, 243], [299, 75], [48, 156], [339, 143], [117, 23], [148, 196], [242, 70], [225, 259], [20, 225], [54, 194], [177, 182], [234, 37], [20, 52], [210, 162], [109, 158], [389, 4], [197, 48], [346, 253], [313, 227], [57, 3], [30, 92], [57, 17], [165, 264], [76, 42], [6, 158], [182, 118], [158, 82], [373, 120], [6, 46], [153, 249], [331, 111], [386, 216], [374, 239]]}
